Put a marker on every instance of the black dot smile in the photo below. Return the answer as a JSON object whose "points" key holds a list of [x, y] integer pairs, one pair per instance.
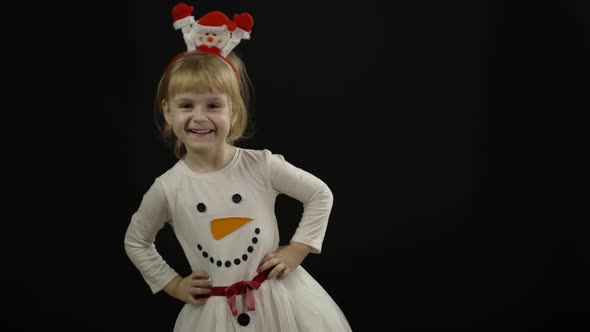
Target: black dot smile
{"points": [[228, 262]]}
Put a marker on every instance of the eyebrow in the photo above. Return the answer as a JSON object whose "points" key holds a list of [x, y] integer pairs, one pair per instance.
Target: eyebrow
{"points": [[192, 98], [208, 99]]}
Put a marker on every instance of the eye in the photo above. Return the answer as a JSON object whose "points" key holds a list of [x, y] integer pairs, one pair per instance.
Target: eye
{"points": [[201, 207], [236, 198], [214, 105], [214, 34], [185, 105]]}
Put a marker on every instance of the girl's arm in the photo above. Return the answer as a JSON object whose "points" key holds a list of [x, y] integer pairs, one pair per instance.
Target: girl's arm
{"points": [[317, 200], [141, 233], [313, 193]]}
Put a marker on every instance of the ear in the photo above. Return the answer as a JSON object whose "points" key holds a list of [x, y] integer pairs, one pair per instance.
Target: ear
{"points": [[166, 111]]}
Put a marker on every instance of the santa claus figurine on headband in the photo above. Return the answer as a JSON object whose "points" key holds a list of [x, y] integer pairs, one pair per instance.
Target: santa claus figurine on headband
{"points": [[214, 32]]}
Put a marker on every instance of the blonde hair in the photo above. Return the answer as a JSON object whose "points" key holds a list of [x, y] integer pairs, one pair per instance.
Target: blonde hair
{"points": [[198, 73]]}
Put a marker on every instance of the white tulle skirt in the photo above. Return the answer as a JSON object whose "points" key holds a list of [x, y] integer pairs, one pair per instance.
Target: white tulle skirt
{"points": [[295, 304]]}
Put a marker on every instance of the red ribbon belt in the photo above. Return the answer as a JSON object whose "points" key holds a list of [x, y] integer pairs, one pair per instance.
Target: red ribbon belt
{"points": [[238, 288]]}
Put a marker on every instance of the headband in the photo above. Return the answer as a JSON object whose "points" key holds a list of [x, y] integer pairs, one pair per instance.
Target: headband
{"points": [[213, 33]]}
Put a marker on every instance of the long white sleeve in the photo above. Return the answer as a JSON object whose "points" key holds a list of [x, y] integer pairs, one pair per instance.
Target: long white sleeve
{"points": [[315, 195], [146, 222]]}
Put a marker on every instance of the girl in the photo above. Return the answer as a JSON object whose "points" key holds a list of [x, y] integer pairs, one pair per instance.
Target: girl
{"points": [[219, 200]]}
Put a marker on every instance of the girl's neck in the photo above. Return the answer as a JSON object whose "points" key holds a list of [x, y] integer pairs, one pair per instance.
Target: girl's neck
{"points": [[207, 161]]}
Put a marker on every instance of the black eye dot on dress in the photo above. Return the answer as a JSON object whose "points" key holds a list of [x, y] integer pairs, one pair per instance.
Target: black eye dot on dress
{"points": [[201, 207], [236, 198]]}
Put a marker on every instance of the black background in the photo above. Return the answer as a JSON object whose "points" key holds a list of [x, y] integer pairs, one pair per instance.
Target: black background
{"points": [[451, 135]]}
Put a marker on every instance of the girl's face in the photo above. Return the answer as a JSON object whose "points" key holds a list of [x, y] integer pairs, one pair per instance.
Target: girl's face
{"points": [[199, 120]]}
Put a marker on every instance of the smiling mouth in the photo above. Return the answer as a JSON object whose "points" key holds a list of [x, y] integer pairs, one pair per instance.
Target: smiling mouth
{"points": [[200, 132], [227, 261]]}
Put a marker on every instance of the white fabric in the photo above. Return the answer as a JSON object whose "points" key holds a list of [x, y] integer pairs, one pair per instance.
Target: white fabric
{"points": [[297, 303], [236, 37], [183, 22]]}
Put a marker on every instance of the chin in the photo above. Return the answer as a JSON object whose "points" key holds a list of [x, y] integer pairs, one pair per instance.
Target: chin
{"points": [[203, 146], [200, 147]]}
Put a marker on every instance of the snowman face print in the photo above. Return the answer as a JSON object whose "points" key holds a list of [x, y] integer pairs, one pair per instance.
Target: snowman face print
{"points": [[234, 237]]}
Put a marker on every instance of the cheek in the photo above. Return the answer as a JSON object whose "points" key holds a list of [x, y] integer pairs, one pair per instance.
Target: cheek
{"points": [[222, 124], [178, 129], [227, 120], [177, 123]]}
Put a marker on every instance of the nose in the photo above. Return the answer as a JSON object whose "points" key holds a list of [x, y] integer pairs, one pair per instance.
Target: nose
{"points": [[210, 39], [198, 115], [223, 226]]}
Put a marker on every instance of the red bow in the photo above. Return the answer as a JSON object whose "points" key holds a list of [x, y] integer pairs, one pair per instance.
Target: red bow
{"points": [[241, 287], [209, 49]]}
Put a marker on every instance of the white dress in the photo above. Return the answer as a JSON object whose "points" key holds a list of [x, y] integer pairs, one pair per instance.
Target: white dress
{"points": [[225, 222]]}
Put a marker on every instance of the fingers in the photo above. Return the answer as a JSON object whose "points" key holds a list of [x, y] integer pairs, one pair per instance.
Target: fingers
{"points": [[203, 283], [278, 263], [194, 285], [284, 273], [199, 279], [266, 258], [275, 260], [267, 263], [195, 301], [280, 271], [199, 275], [275, 271], [195, 293]]}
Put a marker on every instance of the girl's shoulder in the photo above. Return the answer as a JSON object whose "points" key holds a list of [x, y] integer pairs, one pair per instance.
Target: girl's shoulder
{"points": [[261, 160], [172, 174], [255, 156]]}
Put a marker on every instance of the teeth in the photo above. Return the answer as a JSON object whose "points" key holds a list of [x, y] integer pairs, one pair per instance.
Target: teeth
{"points": [[200, 131]]}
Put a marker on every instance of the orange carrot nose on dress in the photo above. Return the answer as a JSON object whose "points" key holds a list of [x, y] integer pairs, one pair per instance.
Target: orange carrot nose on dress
{"points": [[221, 227]]}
